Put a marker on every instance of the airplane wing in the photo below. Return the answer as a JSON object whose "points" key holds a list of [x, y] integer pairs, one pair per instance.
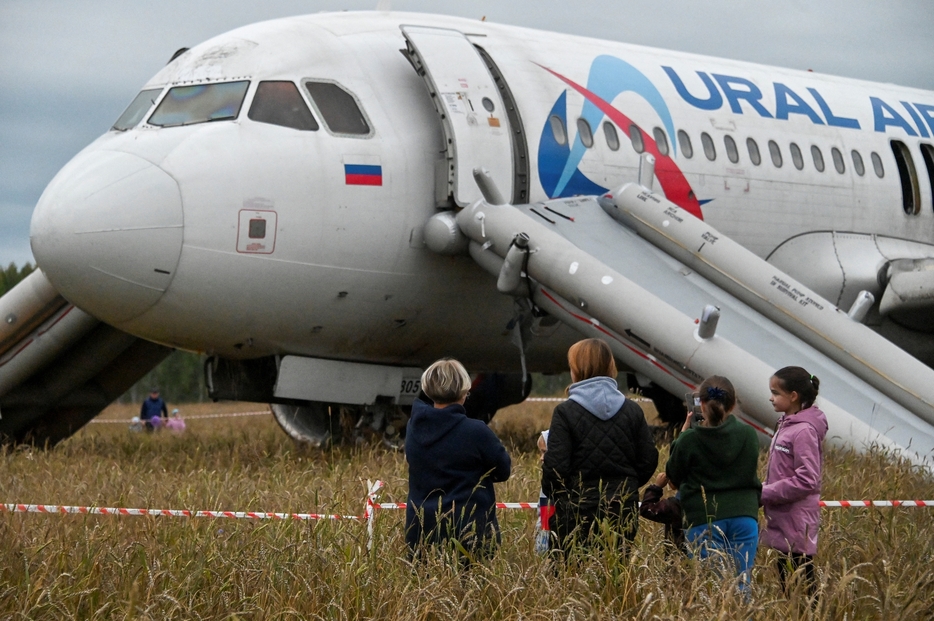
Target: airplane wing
{"points": [[909, 294]]}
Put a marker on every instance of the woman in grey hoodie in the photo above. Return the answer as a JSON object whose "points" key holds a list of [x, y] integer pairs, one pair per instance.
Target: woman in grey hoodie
{"points": [[600, 452]]}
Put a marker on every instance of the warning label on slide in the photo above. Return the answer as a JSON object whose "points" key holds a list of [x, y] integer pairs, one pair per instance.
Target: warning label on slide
{"points": [[801, 297]]}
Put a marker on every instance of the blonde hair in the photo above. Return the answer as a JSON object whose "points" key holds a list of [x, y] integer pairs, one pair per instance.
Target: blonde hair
{"points": [[446, 381], [591, 358]]}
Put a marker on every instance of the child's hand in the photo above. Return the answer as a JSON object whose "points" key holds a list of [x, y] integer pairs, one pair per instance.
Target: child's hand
{"points": [[661, 480], [687, 421]]}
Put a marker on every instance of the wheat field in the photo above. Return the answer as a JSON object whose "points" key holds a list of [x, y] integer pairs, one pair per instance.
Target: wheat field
{"points": [[872, 563]]}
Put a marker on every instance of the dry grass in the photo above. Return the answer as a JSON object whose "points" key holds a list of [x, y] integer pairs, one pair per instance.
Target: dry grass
{"points": [[874, 564]]}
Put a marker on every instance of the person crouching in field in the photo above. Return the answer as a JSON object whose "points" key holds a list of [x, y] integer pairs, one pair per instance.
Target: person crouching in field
{"points": [[175, 422], [791, 493], [453, 463], [600, 452], [714, 468], [153, 411]]}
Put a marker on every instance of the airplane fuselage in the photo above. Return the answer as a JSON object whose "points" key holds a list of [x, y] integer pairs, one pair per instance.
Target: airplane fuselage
{"points": [[245, 238]]}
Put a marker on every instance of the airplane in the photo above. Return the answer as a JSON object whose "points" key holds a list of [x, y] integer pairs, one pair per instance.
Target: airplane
{"points": [[325, 204]]}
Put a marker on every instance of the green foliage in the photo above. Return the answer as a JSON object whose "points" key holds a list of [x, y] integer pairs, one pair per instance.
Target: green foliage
{"points": [[12, 275], [550, 385], [179, 378]]}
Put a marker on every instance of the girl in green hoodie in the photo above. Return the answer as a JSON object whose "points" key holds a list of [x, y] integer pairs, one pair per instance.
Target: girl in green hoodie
{"points": [[714, 468]]}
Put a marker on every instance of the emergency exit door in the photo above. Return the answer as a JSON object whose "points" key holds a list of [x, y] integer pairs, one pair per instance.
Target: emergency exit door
{"points": [[474, 118]]}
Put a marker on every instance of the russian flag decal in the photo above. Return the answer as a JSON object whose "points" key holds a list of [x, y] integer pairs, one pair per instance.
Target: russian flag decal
{"points": [[363, 174]]}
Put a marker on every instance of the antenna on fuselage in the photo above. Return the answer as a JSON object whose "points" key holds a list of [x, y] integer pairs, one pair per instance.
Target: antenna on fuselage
{"points": [[178, 53], [384, 5]]}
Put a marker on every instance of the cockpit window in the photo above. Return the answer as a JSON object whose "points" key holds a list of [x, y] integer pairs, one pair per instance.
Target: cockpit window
{"points": [[137, 109], [339, 108], [280, 103], [186, 105]]}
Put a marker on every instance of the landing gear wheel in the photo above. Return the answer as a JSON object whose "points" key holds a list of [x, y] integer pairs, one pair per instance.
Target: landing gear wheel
{"points": [[314, 423]]}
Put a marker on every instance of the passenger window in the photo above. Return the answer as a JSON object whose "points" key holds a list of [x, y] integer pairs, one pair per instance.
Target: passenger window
{"points": [[731, 150], [776, 153], [201, 103], [338, 108], [612, 138], [558, 130], [685, 141], [927, 154], [635, 136], [137, 109], [858, 163], [709, 149], [818, 158], [753, 151], [837, 158], [908, 177], [877, 164], [584, 132], [280, 103], [796, 158], [661, 140]]}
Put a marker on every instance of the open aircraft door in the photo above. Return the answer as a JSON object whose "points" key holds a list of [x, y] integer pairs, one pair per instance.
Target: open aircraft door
{"points": [[473, 114]]}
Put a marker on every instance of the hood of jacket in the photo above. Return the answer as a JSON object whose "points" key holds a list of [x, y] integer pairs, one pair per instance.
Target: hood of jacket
{"points": [[812, 416], [598, 395], [721, 445], [429, 424]]}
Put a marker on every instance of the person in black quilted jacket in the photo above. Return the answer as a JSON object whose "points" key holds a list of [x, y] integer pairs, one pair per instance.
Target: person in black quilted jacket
{"points": [[600, 452]]}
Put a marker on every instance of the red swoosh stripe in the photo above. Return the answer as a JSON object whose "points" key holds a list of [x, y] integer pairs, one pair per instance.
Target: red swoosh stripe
{"points": [[673, 182]]}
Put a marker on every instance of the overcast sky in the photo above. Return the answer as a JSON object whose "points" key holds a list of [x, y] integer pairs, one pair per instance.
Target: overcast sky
{"points": [[69, 68]]}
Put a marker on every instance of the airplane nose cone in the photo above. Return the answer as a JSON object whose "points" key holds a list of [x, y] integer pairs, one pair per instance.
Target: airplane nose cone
{"points": [[107, 232]]}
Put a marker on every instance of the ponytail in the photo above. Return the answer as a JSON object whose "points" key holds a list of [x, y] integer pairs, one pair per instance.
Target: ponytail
{"points": [[796, 379], [718, 393]]}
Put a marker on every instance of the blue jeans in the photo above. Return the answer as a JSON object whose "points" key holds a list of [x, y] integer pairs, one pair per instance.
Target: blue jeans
{"points": [[737, 536]]}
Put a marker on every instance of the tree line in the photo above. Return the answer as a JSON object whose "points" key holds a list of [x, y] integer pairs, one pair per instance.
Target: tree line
{"points": [[10, 276]]}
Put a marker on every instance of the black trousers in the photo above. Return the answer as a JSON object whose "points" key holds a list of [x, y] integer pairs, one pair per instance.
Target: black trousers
{"points": [[577, 527], [788, 565]]}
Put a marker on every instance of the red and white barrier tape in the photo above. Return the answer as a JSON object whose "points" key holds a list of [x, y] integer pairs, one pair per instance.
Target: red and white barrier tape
{"points": [[369, 510], [848, 504], [127, 421], [857, 504], [249, 515], [499, 505]]}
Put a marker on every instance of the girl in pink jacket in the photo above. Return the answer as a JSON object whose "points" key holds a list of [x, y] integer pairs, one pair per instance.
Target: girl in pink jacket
{"points": [[791, 492]]}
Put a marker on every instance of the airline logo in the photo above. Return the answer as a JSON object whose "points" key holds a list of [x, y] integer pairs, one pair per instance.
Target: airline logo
{"points": [[363, 174], [558, 164], [712, 91]]}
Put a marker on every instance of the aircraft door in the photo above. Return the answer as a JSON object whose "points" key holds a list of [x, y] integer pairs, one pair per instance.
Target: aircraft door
{"points": [[474, 117]]}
